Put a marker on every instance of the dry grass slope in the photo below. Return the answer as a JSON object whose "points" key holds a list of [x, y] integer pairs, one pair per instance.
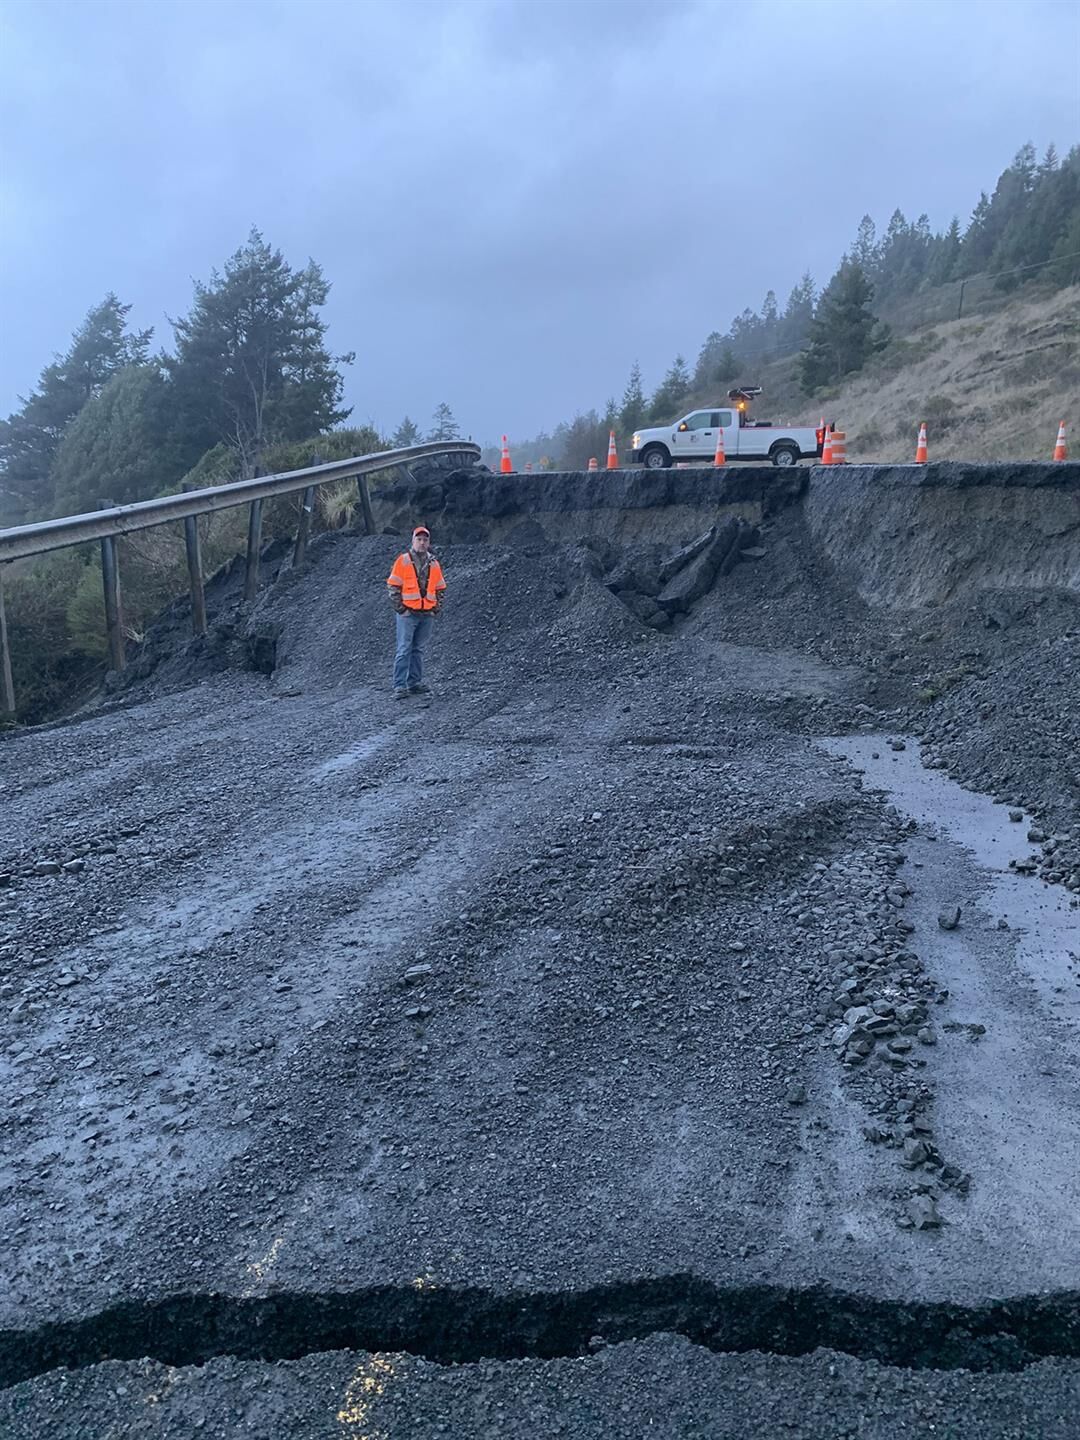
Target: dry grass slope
{"points": [[992, 386]]}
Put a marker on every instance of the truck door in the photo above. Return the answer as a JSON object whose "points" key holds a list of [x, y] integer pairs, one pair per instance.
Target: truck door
{"points": [[728, 421], [695, 435]]}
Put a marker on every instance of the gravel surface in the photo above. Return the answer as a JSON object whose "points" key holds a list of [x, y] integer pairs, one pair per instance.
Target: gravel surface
{"points": [[663, 1386], [597, 968]]}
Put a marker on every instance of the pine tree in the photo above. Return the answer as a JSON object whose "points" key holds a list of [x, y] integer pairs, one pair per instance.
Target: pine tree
{"points": [[978, 239], [798, 314], [632, 410], [944, 260], [119, 447], [251, 366], [675, 384], [443, 424], [865, 250], [30, 437], [406, 434], [1049, 161], [844, 333]]}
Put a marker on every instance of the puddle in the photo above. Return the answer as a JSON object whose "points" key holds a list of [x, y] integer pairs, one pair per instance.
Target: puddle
{"points": [[1044, 924]]}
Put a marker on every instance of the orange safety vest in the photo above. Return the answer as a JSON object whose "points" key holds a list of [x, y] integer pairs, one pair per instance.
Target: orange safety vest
{"points": [[404, 576]]}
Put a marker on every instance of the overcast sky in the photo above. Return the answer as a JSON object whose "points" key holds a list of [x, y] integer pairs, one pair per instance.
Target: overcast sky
{"points": [[512, 199]]}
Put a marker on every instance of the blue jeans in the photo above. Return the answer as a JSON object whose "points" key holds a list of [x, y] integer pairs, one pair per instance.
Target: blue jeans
{"points": [[413, 630]]}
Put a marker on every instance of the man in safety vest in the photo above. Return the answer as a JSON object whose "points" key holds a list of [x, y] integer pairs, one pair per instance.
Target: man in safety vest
{"points": [[416, 587]]}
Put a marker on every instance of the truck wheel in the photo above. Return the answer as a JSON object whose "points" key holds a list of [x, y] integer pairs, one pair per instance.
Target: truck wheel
{"points": [[784, 455], [656, 457]]}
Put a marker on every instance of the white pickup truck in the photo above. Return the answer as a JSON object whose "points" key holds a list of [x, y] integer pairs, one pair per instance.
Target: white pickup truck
{"points": [[694, 438]]}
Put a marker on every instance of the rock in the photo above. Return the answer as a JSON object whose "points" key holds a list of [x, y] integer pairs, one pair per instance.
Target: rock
{"points": [[923, 1212], [949, 918], [1016, 816], [1036, 836], [897, 744], [47, 867], [754, 552], [927, 1036], [916, 1152], [696, 579], [416, 972], [74, 867], [796, 1095], [689, 553]]}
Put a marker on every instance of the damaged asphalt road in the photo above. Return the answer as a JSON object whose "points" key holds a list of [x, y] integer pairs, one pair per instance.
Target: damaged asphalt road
{"points": [[597, 971]]}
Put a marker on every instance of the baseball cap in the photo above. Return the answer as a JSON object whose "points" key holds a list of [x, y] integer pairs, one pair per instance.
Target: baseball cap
{"points": [[422, 530]]}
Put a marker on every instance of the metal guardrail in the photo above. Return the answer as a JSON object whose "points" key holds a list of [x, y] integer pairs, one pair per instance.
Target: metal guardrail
{"points": [[47, 535], [108, 523]]}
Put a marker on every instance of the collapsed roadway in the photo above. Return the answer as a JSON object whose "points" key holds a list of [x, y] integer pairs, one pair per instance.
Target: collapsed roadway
{"points": [[661, 1032]]}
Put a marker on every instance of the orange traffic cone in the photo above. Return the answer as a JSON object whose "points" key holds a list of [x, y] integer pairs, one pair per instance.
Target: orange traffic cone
{"points": [[612, 453], [920, 448], [1061, 450], [719, 458], [505, 466], [839, 447], [592, 463], [826, 447]]}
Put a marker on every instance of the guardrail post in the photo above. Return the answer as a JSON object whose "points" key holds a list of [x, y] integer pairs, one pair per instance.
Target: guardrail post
{"points": [[195, 574], [254, 543], [114, 615], [365, 504], [7, 685], [304, 527]]}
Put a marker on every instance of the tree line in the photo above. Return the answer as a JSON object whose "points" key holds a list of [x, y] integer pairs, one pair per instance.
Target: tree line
{"points": [[1026, 230], [249, 369]]}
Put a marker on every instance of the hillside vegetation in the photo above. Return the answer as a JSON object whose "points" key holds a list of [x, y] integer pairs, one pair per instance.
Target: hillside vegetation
{"points": [[991, 386]]}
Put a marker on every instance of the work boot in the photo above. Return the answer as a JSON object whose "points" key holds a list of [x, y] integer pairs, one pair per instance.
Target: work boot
{"points": [[419, 690], [401, 694]]}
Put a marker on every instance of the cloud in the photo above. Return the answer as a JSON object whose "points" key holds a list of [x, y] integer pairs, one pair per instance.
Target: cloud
{"points": [[513, 199]]}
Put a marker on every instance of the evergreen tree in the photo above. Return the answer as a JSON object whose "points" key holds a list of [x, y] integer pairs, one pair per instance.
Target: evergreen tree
{"points": [[30, 437], [632, 410], [1049, 162], [944, 258], [844, 333], [865, 250], [708, 360], [406, 434], [119, 447], [978, 240], [584, 439], [443, 424], [251, 366], [675, 384], [798, 314]]}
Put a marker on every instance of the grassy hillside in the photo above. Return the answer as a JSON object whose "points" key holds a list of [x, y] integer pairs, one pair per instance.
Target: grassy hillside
{"points": [[990, 387]]}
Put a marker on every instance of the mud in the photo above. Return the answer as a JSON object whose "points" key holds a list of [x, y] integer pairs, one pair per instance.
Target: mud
{"points": [[605, 992]]}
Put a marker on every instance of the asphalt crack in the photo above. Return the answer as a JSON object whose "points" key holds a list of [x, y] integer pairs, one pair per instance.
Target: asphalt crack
{"points": [[463, 1326]]}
